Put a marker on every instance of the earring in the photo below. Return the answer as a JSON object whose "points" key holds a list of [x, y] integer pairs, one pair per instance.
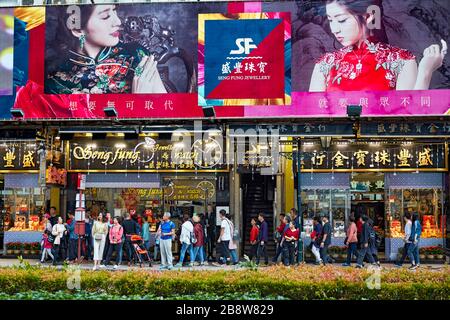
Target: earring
{"points": [[82, 41]]}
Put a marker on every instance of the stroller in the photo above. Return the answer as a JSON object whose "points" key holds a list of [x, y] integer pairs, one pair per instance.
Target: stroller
{"points": [[140, 253]]}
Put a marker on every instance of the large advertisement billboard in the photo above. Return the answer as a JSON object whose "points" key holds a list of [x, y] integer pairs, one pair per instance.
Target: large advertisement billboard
{"points": [[246, 59], [6, 51]]}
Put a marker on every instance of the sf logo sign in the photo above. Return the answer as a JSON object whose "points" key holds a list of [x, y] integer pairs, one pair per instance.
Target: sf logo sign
{"points": [[244, 46]]}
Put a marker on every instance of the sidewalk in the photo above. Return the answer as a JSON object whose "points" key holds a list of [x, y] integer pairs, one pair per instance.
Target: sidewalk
{"points": [[5, 262]]}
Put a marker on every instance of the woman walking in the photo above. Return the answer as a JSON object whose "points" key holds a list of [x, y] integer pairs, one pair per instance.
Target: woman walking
{"points": [[99, 231], [351, 242], [198, 246]]}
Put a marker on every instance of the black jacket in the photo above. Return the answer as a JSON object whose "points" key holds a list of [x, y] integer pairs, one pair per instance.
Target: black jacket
{"points": [[365, 233], [130, 226]]}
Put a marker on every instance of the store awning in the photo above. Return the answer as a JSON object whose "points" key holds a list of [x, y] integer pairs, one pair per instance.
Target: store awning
{"points": [[122, 180]]}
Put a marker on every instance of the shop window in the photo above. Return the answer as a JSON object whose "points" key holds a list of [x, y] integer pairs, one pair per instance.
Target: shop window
{"points": [[427, 202], [333, 203]]}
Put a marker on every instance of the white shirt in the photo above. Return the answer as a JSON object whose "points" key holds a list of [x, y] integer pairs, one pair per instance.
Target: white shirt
{"points": [[186, 229], [226, 226], [58, 231]]}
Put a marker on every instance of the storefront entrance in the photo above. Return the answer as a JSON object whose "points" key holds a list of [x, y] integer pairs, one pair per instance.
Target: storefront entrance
{"points": [[368, 198]]}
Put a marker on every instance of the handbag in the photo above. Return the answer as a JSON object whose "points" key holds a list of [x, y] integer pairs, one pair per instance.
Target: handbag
{"points": [[51, 238], [98, 236], [232, 245]]}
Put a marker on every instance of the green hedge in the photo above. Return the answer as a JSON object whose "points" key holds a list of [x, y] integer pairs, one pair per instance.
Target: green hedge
{"points": [[305, 282]]}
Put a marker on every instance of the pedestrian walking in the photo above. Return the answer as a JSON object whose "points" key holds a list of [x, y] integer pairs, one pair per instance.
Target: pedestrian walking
{"points": [[186, 239], [263, 238], [46, 247], [130, 227], [278, 237], [290, 239], [365, 235], [325, 241], [416, 231], [145, 233], [351, 241], [73, 238], [210, 232], [200, 237], [167, 232], [408, 249], [316, 239], [115, 240], [225, 237], [253, 239], [99, 232]]}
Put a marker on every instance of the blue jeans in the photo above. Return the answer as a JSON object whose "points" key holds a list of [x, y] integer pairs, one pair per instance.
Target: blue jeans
{"points": [[234, 257], [184, 248], [199, 251], [352, 250], [147, 245], [415, 251], [412, 253]]}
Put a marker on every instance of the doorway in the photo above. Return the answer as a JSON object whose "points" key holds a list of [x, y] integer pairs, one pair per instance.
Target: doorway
{"points": [[368, 198]]}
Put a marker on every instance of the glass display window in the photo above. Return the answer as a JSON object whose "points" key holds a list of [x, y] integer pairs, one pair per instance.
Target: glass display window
{"points": [[334, 203], [427, 202]]}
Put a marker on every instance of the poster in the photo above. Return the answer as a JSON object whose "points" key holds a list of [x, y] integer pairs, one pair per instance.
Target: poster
{"points": [[6, 50]]}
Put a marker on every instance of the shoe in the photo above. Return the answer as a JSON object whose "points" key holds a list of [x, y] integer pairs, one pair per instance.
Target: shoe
{"points": [[102, 266], [162, 268], [202, 264], [191, 265], [178, 265], [169, 267], [94, 268], [346, 265], [115, 267], [216, 264], [413, 267], [397, 265], [358, 266]]}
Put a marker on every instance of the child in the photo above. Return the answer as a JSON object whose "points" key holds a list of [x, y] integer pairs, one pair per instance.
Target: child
{"points": [[47, 247]]}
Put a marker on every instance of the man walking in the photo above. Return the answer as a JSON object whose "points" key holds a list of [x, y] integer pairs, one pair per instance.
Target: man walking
{"points": [[263, 237], [130, 227], [365, 238], [326, 241], [210, 232], [278, 237], [407, 249]]}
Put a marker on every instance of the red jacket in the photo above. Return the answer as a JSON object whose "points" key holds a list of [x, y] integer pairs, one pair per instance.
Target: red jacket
{"points": [[280, 228], [198, 231], [254, 234]]}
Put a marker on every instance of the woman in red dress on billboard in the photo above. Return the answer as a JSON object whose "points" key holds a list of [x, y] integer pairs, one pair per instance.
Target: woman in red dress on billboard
{"points": [[91, 59], [366, 62]]}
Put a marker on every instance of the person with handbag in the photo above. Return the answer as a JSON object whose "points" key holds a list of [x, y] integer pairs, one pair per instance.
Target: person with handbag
{"points": [[200, 237], [46, 247], [115, 242], [278, 237], [58, 231], [290, 238], [187, 239], [351, 241], [253, 239], [232, 246], [315, 240], [99, 231], [224, 239], [263, 237]]}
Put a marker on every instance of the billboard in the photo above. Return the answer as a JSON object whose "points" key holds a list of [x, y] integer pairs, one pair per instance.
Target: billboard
{"points": [[6, 51], [279, 59]]}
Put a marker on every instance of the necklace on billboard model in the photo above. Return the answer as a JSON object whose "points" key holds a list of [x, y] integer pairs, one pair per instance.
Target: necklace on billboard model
{"points": [[359, 64]]}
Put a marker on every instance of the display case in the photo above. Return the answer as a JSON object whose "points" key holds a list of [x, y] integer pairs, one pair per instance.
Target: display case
{"points": [[334, 203], [427, 202]]}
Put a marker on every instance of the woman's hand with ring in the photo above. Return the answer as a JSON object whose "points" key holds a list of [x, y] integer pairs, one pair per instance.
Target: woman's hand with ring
{"points": [[146, 78]]}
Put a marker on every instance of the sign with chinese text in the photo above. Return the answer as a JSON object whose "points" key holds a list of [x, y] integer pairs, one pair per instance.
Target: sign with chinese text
{"points": [[403, 129], [147, 155], [18, 156], [362, 158]]}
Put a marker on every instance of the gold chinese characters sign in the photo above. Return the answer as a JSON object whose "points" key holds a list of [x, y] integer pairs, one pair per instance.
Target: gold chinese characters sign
{"points": [[18, 156], [348, 158], [146, 154]]}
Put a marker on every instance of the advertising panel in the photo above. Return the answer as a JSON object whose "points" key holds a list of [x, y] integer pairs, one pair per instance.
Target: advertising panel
{"points": [[6, 51], [246, 59]]}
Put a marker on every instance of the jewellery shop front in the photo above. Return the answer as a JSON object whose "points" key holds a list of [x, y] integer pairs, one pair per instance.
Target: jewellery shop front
{"points": [[382, 179], [145, 176]]}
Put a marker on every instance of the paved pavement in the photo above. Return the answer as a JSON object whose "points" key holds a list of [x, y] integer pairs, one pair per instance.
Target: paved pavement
{"points": [[5, 262]]}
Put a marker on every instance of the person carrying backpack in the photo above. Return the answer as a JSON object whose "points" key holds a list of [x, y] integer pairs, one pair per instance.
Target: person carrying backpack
{"points": [[187, 239]]}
